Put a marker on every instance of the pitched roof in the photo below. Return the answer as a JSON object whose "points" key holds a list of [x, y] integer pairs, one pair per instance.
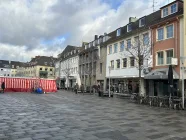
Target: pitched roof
{"points": [[4, 64], [68, 52], [14, 64], [42, 61]]}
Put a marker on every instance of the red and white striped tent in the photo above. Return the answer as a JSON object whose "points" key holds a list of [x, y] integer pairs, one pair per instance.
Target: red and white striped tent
{"points": [[15, 84]]}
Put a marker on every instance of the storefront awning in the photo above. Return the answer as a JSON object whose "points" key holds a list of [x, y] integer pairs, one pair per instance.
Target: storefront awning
{"points": [[123, 77], [160, 74]]}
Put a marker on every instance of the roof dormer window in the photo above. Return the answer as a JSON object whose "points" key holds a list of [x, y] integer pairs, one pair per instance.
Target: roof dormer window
{"points": [[129, 27], [173, 8], [118, 32], [165, 12], [142, 22], [93, 43]]}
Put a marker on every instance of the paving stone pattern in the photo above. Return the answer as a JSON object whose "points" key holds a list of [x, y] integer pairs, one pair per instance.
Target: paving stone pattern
{"points": [[67, 116]]}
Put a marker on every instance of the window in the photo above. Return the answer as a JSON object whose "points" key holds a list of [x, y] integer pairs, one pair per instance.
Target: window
{"points": [[12, 66], [50, 69], [121, 46], [118, 33], [112, 64], [145, 39], [46, 69], [100, 68], [160, 58], [124, 62], [116, 48], [165, 12], [136, 40], [118, 63], [1, 69], [110, 49], [7, 74], [129, 43], [132, 61], [169, 56], [169, 31], [142, 22], [40, 68], [160, 34], [173, 8], [129, 27]]}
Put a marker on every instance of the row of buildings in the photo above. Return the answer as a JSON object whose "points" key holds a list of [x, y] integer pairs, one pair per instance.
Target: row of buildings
{"points": [[40, 67], [144, 48]]}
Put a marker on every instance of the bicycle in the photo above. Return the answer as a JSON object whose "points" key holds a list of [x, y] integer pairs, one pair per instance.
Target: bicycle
{"points": [[133, 97]]}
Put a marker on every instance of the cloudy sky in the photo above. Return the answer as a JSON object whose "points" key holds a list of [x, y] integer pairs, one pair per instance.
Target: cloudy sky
{"points": [[44, 27]]}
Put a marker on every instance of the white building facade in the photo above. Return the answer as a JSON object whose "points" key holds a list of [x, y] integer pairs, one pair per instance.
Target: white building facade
{"points": [[5, 72], [5, 69], [69, 72], [122, 61], [67, 68]]}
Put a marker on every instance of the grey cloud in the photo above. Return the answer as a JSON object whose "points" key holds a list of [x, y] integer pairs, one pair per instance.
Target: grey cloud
{"points": [[26, 24]]}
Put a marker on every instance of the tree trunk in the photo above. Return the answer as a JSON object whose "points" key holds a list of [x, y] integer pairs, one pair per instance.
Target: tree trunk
{"points": [[90, 83], [67, 82], [139, 80]]}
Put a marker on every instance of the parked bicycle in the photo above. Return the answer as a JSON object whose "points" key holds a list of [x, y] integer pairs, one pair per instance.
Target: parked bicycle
{"points": [[133, 97]]}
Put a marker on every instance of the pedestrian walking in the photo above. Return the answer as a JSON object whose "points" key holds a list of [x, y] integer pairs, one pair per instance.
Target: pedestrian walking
{"points": [[82, 89], [3, 86], [76, 88]]}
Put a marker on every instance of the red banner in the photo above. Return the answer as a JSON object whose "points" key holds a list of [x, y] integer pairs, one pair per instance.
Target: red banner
{"points": [[27, 84]]}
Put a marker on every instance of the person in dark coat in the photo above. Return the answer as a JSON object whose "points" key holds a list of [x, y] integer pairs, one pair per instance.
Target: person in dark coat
{"points": [[76, 88], [3, 86]]}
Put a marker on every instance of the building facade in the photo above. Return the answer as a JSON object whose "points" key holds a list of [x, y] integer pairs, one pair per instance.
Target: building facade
{"points": [[91, 63], [5, 69], [15, 65], [101, 62], [166, 50], [67, 70], [39, 67], [127, 51]]}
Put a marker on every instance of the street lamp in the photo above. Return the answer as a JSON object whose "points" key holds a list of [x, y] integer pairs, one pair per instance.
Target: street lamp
{"points": [[182, 68], [109, 79]]}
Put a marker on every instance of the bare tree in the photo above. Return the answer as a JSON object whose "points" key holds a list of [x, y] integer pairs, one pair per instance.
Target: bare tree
{"points": [[66, 68], [139, 51]]}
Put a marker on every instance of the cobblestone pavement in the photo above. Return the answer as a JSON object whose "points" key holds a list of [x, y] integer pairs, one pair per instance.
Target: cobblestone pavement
{"points": [[67, 116]]}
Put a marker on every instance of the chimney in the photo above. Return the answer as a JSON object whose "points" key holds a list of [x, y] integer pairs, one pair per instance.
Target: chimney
{"points": [[96, 37], [132, 19]]}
